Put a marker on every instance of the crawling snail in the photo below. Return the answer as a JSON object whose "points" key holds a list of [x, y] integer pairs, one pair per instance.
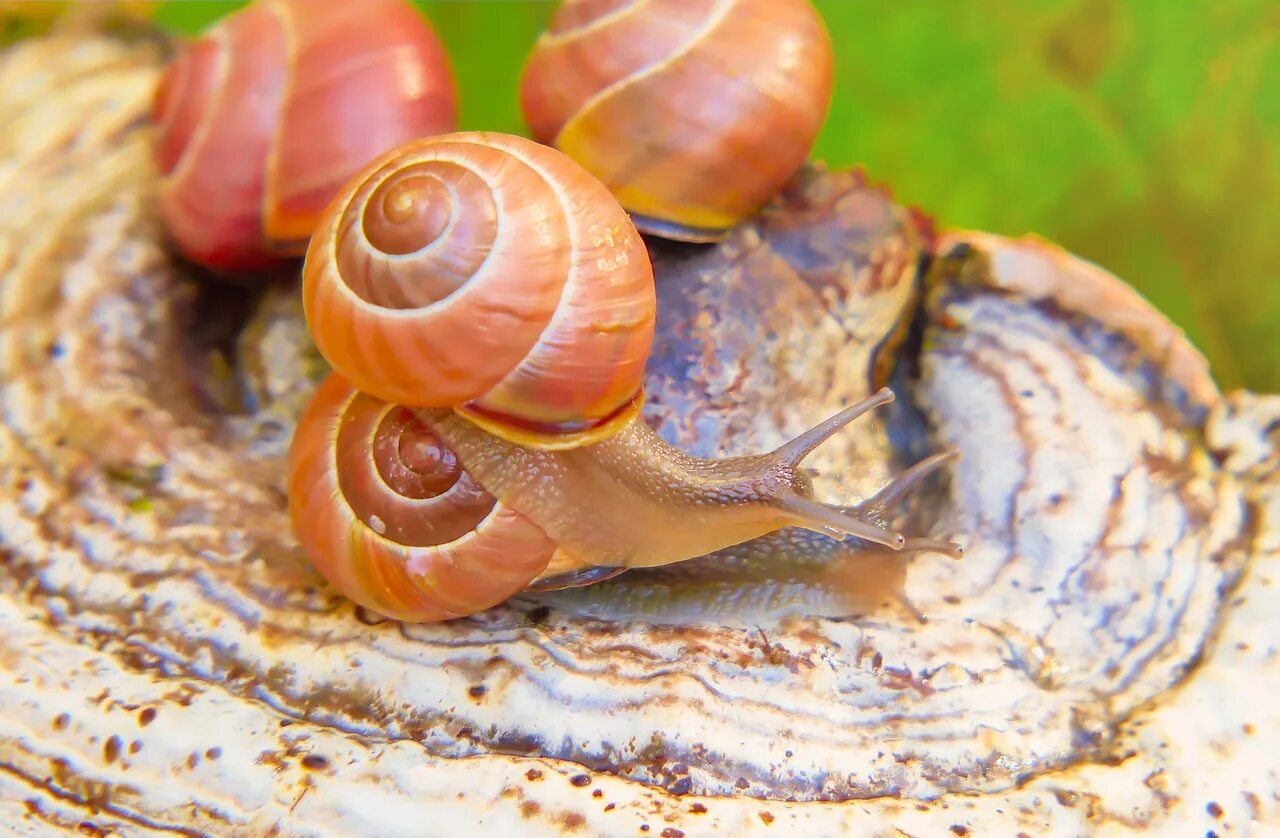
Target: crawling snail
{"points": [[488, 309], [693, 112], [261, 121]]}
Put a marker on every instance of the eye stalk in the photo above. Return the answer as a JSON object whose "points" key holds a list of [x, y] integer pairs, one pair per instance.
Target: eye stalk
{"points": [[493, 291]]}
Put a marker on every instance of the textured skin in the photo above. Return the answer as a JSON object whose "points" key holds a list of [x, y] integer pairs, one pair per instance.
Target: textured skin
{"points": [[169, 663], [630, 500]]}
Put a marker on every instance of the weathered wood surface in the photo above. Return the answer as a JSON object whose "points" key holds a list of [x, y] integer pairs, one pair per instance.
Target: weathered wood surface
{"points": [[1099, 662]]}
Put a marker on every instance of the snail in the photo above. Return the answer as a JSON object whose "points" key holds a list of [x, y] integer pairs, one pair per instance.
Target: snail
{"points": [[380, 503], [693, 112], [260, 122], [1088, 669], [488, 307]]}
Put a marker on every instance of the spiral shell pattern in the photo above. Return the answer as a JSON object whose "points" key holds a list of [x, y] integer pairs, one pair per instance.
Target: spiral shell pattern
{"points": [[693, 112], [490, 274], [260, 122], [388, 515]]}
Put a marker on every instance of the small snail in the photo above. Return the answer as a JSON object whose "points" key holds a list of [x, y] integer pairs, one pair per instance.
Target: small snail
{"points": [[261, 121], [495, 305], [693, 112]]}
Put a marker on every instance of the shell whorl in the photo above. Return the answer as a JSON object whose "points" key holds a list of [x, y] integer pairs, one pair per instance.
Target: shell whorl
{"points": [[262, 120], [490, 274], [693, 112], [391, 519]]}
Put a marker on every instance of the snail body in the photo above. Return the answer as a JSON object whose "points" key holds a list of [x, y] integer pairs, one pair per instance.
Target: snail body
{"points": [[261, 121], [379, 280], [394, 504], [693, 112], [632, 500]]}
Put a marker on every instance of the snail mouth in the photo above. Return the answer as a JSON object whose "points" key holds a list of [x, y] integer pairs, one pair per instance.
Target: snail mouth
{"points": [[551, 436]]}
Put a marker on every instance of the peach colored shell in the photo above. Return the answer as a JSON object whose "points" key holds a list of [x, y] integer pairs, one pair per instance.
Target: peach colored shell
{"points": [[693, 112], [491, 274], [261, 121], [387, 514]]}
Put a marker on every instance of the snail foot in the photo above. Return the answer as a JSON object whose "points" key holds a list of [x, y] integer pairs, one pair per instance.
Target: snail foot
{"points": [[873, 509], [580, 578], [675, 231], [930, 545]]}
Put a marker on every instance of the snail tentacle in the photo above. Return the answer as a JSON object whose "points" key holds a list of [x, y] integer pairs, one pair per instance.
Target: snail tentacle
{"points": [[873, 509], [494, 297], [900, 486], [933, 545], [632, 500], [838, 524], [806, 443]]}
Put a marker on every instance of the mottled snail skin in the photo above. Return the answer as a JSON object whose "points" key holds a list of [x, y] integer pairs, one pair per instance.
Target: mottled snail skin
{"points": [[799, 311], [789, 572], [381, 502], [391, 519], [632, 500], [489, 273], [693, 112], [500, 294], [261, 121]]}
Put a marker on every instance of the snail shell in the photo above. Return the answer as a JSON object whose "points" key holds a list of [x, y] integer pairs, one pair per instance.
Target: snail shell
{"points": [[491, 274], [929, 729], [259, 122], [498, 289], [391, 518], [693, 112]]}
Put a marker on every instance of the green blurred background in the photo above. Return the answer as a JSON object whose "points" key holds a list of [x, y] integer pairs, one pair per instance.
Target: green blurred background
{"points": [[1141, 134]]}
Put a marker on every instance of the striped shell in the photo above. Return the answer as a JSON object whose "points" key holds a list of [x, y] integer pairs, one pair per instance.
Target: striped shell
{"points": [[1098, 665], [387, 514], [490, 274], [694, 112], [260, 122]]}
